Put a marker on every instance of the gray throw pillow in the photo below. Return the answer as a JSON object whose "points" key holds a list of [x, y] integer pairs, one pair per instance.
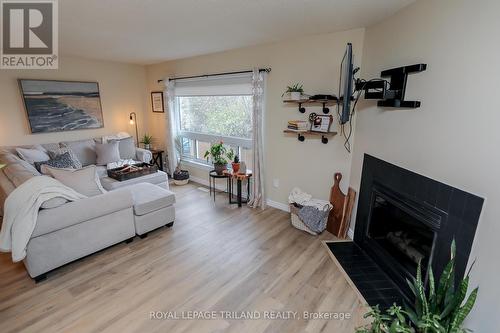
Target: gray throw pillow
{"points": [[107, 152], [32, 155], [83, 149], [126, 147], [63, 161], [84, 181], [54, 152]]}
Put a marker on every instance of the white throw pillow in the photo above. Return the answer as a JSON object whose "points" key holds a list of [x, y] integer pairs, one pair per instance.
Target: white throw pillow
{"points": [[107, 152], [32, 155], [85, 181]]}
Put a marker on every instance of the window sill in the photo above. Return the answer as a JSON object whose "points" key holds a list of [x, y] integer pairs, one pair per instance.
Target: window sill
{"points": [[197, 165]]}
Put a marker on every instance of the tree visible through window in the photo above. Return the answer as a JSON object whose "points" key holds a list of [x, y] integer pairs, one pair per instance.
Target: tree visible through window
{"points": [[229, 116]]}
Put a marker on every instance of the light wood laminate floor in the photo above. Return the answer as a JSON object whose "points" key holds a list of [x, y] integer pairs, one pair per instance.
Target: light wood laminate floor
{"points": [[216, 257]]}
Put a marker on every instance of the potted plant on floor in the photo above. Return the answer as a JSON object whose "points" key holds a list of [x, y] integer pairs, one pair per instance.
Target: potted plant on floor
{"points": [[217, 153], [235, 164], [294, 91], [440, 308], [181, 177], [147, 140]]}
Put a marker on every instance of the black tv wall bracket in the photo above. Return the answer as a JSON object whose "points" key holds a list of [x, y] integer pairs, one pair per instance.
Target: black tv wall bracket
{"points": [[391, 93]]}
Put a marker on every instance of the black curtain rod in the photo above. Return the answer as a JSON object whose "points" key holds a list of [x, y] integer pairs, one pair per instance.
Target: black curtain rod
{"points": [[216, 74]]}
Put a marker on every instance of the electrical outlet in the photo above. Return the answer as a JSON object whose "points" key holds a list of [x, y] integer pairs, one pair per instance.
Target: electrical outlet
{"points": [[276, 183]]}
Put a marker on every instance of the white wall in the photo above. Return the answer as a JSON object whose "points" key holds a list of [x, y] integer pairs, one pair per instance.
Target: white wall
{"points": [[122, 87], [313, 61], [454, 136]]}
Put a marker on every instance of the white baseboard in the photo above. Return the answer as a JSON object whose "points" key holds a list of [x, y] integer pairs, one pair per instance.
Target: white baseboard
{"points": [[278, 205]]}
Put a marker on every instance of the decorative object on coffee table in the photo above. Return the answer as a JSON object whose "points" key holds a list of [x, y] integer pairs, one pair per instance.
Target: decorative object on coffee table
{"points": [[157, 101], [239, 177], [133, 121], [147, 140], [217, 154], [132, 171], [157, 158]]}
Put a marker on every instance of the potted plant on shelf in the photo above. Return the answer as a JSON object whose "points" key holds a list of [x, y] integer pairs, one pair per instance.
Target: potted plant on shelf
{"points": [[217, 152], [146, 141], [235, 164], [294, 91], [181, 177]]}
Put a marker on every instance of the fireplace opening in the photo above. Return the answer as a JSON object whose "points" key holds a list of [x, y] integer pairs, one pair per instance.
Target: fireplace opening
{"points": [[401, 234]]}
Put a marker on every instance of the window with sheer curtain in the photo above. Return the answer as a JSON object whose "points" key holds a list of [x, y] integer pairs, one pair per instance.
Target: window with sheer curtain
{"points": [[213, 109]]}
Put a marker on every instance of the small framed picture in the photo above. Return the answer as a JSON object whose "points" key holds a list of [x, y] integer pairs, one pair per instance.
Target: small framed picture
{"points": [[321, 123], [157, 101]]}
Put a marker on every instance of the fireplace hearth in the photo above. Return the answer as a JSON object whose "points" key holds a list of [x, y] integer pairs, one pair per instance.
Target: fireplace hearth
{"points": [[404, 218]]}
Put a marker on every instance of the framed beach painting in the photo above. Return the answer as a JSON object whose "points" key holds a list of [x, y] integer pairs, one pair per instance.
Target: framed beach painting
{"points": [[58, 106]]}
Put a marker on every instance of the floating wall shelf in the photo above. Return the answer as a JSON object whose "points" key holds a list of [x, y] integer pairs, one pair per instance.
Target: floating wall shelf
{"points": [[304, 102], [302, 134]]}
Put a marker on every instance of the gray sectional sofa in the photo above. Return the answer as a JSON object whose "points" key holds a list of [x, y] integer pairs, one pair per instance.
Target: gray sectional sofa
{"points": [[76, 229]]}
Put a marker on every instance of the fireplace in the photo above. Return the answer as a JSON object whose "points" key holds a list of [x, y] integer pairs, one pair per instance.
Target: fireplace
{"points": [[404, 218], [401, 233]]}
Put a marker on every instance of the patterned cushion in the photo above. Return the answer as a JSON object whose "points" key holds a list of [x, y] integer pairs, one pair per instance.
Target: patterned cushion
{"points": [[63, 161], [55, 152]]}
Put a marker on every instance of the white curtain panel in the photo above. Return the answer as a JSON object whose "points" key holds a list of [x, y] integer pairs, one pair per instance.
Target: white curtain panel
{"points": [[257, 194], [171, 127]]}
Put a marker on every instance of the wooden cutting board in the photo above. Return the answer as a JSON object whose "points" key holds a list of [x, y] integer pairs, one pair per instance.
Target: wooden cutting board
{"points": [[340, 215]]}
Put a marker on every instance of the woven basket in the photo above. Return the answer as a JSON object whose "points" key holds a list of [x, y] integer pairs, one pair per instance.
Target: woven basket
{"points": [[297, 222]]}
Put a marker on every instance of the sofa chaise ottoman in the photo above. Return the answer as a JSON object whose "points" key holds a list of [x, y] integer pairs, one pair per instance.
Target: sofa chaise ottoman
{"points": [[153, 207]]}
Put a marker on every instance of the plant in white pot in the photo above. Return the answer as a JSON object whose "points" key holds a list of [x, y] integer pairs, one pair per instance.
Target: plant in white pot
{"points": [[217, 153], [294, 91], [147, 140]]}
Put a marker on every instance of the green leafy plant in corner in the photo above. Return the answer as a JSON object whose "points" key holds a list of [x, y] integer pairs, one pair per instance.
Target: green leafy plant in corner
{"points": [[297, 87], [442, 308], [217, 153], [147, 139]]}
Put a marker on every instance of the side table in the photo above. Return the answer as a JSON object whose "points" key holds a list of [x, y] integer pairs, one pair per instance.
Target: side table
{"points": [[212, 178], [157, 158], [239, 179]]}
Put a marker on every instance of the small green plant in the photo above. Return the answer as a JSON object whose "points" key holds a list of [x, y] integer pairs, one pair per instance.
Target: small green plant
{"points": [[231, 155], [297, 87], [217, 153], [441, 309], [147, 139]]}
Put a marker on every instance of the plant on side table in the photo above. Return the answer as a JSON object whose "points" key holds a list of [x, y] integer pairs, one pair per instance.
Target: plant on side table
{"points": [[217, 153], [147, 140], [440, 309], [235, 164]]}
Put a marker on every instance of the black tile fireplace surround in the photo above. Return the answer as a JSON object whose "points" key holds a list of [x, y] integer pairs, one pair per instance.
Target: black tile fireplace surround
{"points": [[403, 217]]}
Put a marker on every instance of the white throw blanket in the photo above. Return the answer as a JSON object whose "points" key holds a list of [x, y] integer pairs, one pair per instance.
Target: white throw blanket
{"points": [[21, 212], [305, 199]]}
